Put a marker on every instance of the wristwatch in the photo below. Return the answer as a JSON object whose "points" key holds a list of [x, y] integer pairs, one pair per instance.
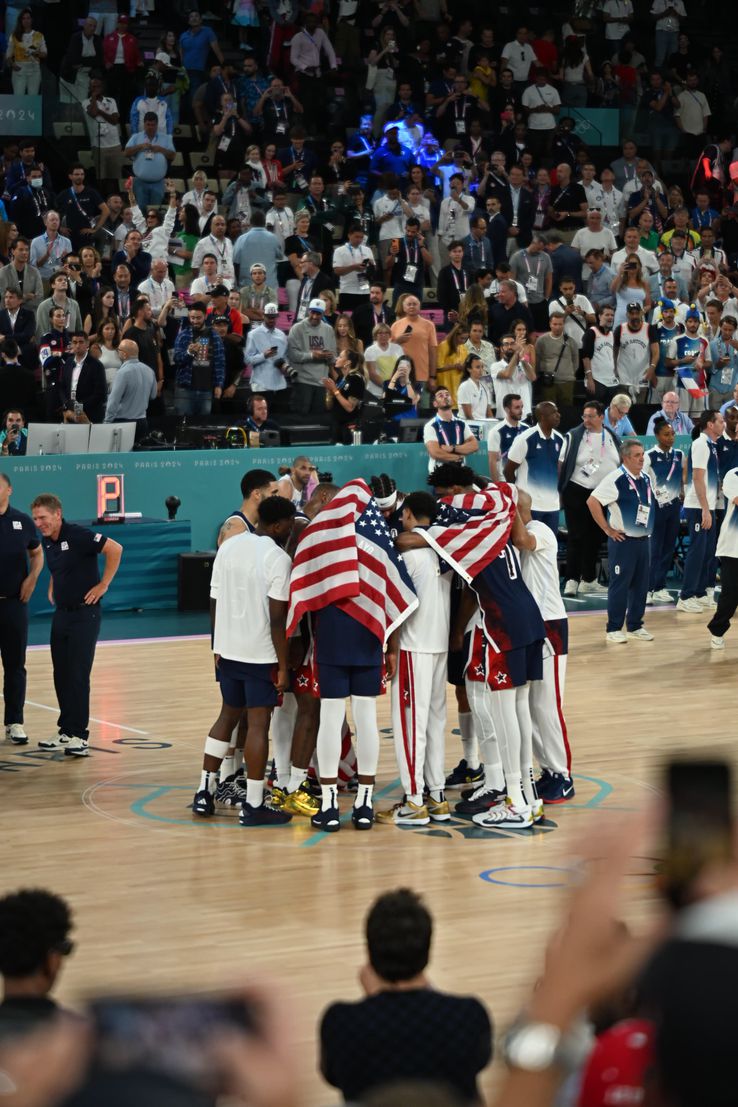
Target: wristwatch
{"points": [[537, 1046]]}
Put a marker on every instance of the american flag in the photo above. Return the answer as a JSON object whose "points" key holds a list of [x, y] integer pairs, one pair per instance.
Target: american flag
{"points": [[346, 557], [472, 528]]}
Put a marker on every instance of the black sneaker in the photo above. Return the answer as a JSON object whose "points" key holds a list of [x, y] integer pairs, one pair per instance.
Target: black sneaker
{"points": [[263, 816], [328, 820], [203, 804], [363, 817], [463, 774], [483, 802]]}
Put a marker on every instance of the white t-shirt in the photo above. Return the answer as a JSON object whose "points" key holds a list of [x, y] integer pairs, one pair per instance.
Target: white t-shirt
{"points": [[392, 228], [248, 571], [699, 458], [384, 362], [519, 59], [518, 382], [355, 283], [572, 328], [221, 249], [622, 10], [693, 107], [647, 257], [427, 629], [585, 240], [727, 545], [477, 394], [541, 571], [535, 97], [668, 22]]}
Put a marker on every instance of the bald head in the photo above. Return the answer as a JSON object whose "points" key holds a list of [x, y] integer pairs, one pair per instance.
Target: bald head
{"points": [[128, 349]]}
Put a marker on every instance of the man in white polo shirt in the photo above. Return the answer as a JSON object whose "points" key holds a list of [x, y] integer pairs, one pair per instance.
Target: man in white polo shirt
{"points": [[352, 264], [541, 104]]}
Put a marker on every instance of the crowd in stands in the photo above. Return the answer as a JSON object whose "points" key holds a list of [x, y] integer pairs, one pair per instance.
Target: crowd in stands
{"points": [[381, 194]]}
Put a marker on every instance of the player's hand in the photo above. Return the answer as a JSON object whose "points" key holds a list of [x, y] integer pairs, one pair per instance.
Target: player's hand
{"points": [[26, 589], [706, 520], [456, 641], [390, 664], [282, 683], [616, 535], [96, 594]]}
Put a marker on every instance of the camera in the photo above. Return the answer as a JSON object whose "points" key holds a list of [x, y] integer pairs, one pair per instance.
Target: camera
{"points": [[367, 262], [279, 362]]}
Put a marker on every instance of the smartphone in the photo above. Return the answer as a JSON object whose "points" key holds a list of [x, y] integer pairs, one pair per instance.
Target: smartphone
{"points": [[164, 1037], [408, 329], [699, 826]]}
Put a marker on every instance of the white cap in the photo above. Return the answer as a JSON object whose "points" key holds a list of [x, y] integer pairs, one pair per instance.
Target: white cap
{"points": [[271, 309], [317, 305]]}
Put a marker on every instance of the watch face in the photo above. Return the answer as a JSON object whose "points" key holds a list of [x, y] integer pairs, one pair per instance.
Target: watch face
{"points": [[533, 1047]]}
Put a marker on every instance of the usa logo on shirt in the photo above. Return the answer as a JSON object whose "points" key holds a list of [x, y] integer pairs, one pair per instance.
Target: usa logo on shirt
{"points": [[17, 525], [65, 545]]}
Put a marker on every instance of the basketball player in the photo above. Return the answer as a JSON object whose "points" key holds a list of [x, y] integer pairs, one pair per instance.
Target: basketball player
{"points": [[538, 556], [389, 501], [256, 485], [294, 485], [250, 570], [419, 686]]}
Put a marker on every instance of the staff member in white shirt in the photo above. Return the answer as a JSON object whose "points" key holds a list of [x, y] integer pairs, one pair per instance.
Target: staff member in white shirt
{"points": [[541, 104], [419, 684], [590, 452], [727, 551], [251, 588]]}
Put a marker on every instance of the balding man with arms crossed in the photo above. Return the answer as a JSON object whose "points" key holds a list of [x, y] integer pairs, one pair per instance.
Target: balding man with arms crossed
{"points": [[134, 386]]}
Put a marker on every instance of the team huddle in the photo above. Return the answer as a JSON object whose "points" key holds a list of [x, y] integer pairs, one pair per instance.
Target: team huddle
{"points": [[356, 591]]}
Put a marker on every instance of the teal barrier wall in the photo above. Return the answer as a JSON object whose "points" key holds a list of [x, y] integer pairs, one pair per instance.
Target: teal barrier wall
{"points": [[206, 481]]}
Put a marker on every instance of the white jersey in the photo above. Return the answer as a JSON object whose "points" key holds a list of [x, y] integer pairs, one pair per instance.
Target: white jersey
{"points": [[427, 629], [727, 544], [541, 571], [634, 351], [248, 571]]}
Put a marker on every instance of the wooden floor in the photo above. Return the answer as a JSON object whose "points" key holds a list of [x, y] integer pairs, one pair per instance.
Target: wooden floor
{"points": [[163, 902]]}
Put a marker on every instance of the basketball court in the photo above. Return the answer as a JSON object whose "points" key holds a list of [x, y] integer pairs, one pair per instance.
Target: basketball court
{"points": [[164, 901]]}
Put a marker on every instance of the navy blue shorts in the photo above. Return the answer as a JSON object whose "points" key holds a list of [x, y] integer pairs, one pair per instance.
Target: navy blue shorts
{"points": [[245, 685], [338, 681], [510, 669], [456, 666]]}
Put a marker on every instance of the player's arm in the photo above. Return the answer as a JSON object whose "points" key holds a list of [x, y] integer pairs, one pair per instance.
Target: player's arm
{"points": [[390, 656], [278, 631], [411, 540], [230, 528], [467, 607], [521, 537], [112, 552]]}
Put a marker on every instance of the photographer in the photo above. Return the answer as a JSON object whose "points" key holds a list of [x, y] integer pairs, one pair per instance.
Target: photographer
{"points": [[353, 264], [14, 435], [407, 261], [266, 349]]}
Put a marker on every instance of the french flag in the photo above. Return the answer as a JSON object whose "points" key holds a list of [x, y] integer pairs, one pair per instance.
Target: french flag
{"points": [[688, 381]]}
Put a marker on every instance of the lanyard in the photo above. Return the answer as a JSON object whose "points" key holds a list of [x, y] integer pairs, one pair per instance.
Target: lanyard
{"points": [[602, 446], [531, 272], [221, 253], [80, 209], [634, 485], [667, 478], [378, 318], [444, 437], [459, 279], [414, 260]]}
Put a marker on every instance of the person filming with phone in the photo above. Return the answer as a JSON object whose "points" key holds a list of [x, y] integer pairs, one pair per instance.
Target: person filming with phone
{"points": [[14, 435]]}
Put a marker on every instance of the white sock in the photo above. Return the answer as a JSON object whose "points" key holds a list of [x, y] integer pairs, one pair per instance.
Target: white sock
{"points": [[226, 768], [237, 759], [208, 781], [297, 777], [438, 796], [364, 795], [254, 792], [416, 799], [364, 710], [469, 744], [329, 796], [283, 725], [522, 707], [507, 729], [329, 736]]}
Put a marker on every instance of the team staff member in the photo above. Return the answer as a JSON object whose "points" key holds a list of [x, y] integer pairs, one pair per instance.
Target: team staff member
{"points": [[76, 589], [21, 561], [589, 454], [700, 500], [727, 551], [628, 494], [533, 463], [665, 466]]}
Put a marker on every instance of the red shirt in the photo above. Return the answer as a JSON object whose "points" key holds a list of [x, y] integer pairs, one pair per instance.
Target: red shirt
{"points": [[236, 320], [547, 54]]}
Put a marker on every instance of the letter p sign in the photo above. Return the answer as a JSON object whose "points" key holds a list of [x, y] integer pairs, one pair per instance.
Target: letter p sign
{"points": [[109, 495]]}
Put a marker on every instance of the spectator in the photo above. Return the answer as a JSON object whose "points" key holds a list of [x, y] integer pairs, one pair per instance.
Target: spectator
{"points": [[35, 927], [195, 45], [455, 213], [104, 344], [258, 245], [83, 210], [30, 201], [221, 247], [541, 104], [513, 373], [507, 309], [122, 61], [598, 357], [266, 353], [83, 388], [616, 416], [199, 363], [419, 341], [257, 294], [557, 362], [307, 49], [478, 248], [26, 51], [447, 1038], [152, 150], [407, 262], [380, 359], [369, 315], [532, 267], [151, 101], [83, 55], [133, 389], [15, 381], [453, 282], [17, 322], [311, 346], [352, 264]]}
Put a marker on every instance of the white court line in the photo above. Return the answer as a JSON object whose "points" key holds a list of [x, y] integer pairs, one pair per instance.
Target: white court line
{"points": [[103, 722]]}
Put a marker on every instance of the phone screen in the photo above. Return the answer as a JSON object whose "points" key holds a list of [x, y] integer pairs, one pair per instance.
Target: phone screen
{"points": [[699, 824], [167, 1037], [408, 329]]}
